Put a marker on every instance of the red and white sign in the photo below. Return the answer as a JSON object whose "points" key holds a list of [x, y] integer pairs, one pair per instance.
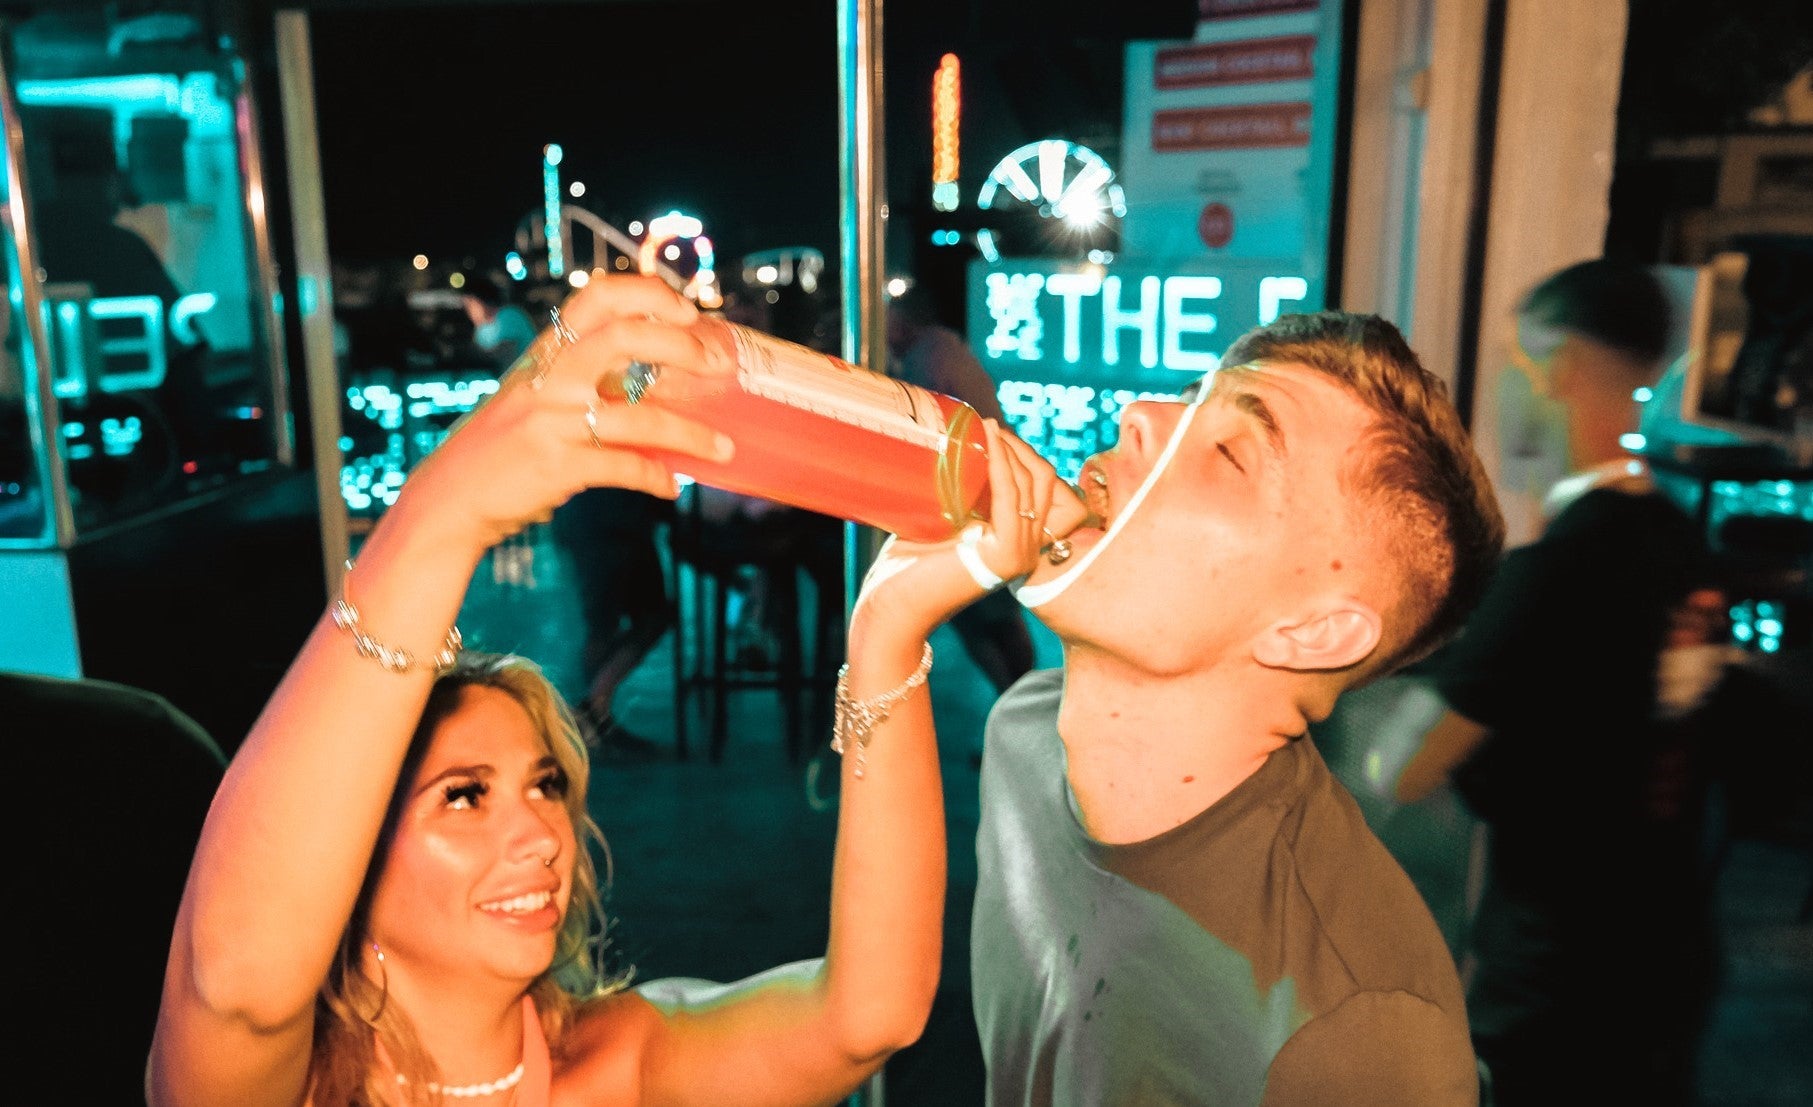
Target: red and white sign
{"points": [[1215, 225], [1228, 139], [1206, 64], [1240, 9], [1237, 127]]}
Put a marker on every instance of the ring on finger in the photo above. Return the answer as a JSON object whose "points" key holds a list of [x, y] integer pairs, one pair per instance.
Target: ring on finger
{"points": [[564, 335], [1029, 515], [591, 425], [540, 359]]}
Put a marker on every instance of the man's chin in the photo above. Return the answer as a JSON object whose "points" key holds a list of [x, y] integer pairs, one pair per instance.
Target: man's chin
{"points": [[1081, 541]]}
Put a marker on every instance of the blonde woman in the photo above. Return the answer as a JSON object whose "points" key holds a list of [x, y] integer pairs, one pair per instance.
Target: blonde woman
{"points": [[392, 903]]}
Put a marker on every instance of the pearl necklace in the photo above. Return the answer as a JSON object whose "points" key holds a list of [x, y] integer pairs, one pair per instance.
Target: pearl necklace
{"points": [[473, 1091]]}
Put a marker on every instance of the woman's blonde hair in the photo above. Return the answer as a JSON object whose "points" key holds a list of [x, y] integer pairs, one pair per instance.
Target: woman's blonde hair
{"points": [[353, 1013]]}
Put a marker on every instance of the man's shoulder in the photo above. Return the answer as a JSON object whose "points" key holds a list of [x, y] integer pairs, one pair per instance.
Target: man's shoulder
{"points": [[1363, 905], [1021, 731], [1035, 695], [1412, 1052]]}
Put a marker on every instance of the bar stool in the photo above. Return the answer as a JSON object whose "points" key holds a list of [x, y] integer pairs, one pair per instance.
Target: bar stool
{"points": [[713, 551]]}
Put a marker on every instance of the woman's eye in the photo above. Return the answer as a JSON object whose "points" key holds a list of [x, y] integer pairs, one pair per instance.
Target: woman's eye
{"points": [[553, 785], [463, 797], [1229, 454]]}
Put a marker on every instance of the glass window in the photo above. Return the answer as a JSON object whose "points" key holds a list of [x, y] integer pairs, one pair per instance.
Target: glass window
{"points": [[1102, 197], [24, 501], [139, 225]]}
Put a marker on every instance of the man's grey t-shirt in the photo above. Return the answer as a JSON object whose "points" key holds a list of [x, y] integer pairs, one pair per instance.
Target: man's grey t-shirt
{"points": [[1268, 951]]}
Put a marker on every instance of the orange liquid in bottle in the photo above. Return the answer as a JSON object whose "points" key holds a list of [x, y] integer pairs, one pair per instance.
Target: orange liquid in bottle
{"points": [[815, 432]]}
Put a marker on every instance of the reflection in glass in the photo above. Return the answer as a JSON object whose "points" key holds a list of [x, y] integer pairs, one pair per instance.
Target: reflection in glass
{"points": [[24, 502], [139, 226]]}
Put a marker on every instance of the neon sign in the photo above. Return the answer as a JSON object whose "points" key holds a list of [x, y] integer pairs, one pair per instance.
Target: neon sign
{"points": [[1071, 345], [1120, 326]]}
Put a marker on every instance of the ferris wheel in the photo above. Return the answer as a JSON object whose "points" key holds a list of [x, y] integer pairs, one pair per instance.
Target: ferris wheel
{"points": [[1059, 181]]}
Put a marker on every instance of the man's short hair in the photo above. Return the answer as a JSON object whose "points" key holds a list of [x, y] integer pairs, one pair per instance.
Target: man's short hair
{"points": [[1420, 474], [1617, 303]]}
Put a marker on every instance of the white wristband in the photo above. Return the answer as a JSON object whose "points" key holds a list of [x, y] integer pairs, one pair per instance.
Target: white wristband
{"points": [[971, 558]]}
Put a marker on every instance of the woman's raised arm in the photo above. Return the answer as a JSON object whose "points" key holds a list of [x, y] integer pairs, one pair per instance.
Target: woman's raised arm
{"points": [[293, 826]]}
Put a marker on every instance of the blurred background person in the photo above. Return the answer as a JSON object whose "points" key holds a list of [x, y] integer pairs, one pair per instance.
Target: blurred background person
{"points": [[1593, 954], [500, 329], [607, 539]]}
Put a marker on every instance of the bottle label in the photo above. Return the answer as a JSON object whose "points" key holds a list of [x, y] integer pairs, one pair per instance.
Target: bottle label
{"points": [[832, 387]]}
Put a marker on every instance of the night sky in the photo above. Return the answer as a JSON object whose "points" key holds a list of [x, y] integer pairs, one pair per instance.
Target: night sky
{"points": [[432, 121]]}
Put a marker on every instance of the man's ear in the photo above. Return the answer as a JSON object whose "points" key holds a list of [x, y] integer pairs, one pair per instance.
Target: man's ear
{"points": [[1332, 638]]}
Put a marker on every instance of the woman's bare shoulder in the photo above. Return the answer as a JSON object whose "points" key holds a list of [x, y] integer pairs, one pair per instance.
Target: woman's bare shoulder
{"points": [[600, 1061]]}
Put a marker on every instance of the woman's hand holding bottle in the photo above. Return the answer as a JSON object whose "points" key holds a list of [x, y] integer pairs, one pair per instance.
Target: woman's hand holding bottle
{"points": [[912, 587], [553, 427]]}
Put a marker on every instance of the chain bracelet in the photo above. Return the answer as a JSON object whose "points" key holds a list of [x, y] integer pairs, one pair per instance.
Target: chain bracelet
{"points": [[856, 720], [392, 658]]}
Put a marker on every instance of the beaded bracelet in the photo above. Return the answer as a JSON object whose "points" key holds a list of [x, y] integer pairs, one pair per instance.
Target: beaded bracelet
{"points": [[857, 719], [346, 617]]}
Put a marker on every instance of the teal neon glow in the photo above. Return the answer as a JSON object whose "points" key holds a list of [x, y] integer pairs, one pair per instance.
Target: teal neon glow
{"points": [[1141, 318], [1274, 291], [551, 156], [77, 375], [160, 91], [1076, 319], [184, 311]]}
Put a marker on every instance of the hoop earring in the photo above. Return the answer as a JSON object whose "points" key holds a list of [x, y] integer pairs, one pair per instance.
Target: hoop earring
{"points": [[384, 988]]}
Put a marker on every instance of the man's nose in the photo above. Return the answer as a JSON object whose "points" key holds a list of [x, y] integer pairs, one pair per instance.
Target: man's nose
{"points": [[1146, 426]]}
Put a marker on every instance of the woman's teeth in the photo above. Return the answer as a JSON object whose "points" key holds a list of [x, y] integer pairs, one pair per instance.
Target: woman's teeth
{"points": [[518, 905]]}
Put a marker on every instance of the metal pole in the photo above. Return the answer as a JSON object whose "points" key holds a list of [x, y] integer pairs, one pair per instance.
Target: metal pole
{"points": [[263, 265], [314, 284], [864, 194], [45, 424], [863, 189]]}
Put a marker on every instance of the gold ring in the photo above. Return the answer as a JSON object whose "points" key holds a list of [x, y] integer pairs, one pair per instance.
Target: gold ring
{"points": [[1029, 515]]}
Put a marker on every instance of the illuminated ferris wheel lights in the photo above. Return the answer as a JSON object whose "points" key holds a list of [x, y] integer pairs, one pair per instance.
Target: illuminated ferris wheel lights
{"points": [[1070, 186], [1081, 210], [1053, 153], [1089, 181]]}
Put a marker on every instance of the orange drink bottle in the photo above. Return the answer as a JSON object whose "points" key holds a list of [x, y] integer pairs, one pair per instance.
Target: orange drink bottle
{"points": [[813, 431]]}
